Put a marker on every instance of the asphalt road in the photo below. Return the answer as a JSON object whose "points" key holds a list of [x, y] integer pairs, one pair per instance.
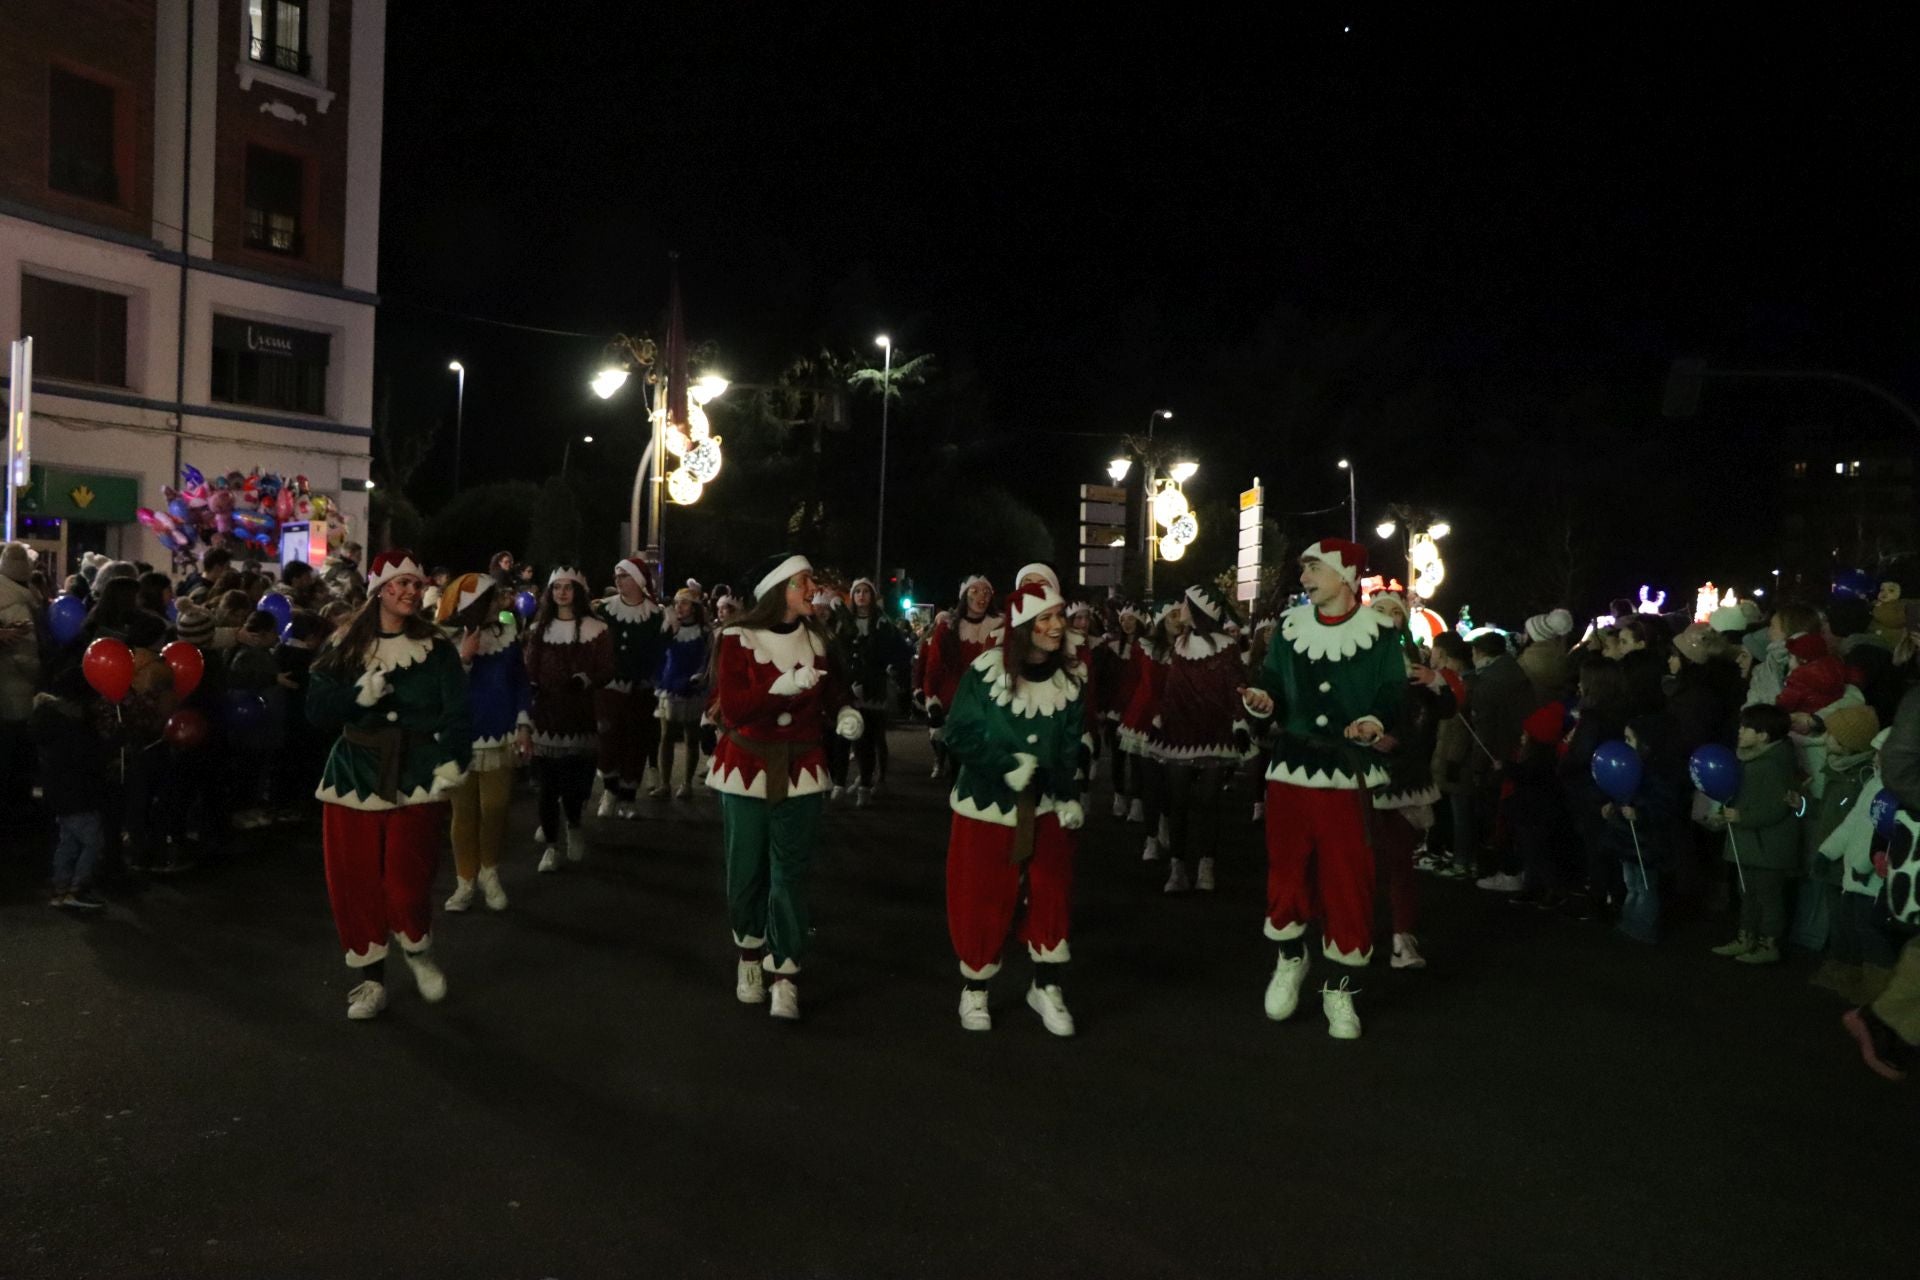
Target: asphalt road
{"points": [[181, 1094]]}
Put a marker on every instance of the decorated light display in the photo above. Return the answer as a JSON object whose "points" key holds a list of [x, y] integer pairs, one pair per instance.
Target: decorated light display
{"points": [[1428, 569], [1169, 504], [1651, 602], [1424, 624], [696, 447], [1705, 601], [1182, 531]]}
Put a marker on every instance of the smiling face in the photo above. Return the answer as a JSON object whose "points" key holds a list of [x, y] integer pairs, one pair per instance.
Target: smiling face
{"points": [[631, 592], [800, 589], [400, 597], [1324, 586], [979, 597], [1050, 630]]}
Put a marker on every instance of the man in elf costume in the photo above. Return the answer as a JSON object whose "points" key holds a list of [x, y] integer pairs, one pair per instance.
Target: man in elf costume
{"points": [[624, 707], [1333, 677], [972, 630], [775, 696]]}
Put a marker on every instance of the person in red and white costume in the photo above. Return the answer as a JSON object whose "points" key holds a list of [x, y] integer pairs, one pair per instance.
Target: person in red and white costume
{"points": [[972, 629], [569, 657], [1151, 655], [1334, 681], [775, 696]]}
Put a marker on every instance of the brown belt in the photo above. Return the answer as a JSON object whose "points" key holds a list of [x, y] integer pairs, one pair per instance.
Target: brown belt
{"points": [[775, 761], [1024, 806], [389, 747]]}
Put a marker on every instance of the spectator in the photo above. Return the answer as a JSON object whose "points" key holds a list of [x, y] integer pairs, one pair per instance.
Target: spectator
{"points": [[1545, 657], [156, 593], [253, 668], [147, 808], [1762, 839], [1499, 699], [73, 772], [20, 622], [302, 755]]}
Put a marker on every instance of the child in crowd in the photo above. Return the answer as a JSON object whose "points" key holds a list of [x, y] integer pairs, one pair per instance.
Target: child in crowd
{"points": [[147, 808], [682, 682], [1762, 839], [1861, 954], [1640, 835], [1536, 810], [302, 754], [73, 768], [254, 732]]}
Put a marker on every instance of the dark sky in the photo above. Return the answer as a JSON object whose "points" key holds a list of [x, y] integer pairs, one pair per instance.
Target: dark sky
{"points": [[1097, 218]]}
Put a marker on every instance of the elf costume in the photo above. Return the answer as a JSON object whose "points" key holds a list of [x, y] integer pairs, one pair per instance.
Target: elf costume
{"points": [[625, 712], [1324, 675], [1201, 730], [1016, 806], [497, 701], [405, 741], [568, 660], [775, 698]]}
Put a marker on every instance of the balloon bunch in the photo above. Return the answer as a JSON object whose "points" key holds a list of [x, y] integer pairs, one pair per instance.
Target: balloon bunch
{"points": [[250, 508]]}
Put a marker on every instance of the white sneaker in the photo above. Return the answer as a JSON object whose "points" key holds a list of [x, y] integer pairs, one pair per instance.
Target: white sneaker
{"points": [[539, 835], [1500, 882], [1283, 989], [462, 896], [366, 1001], [550, 860], [837, 793], [1203, 876], [432, 983], [1150, 852], [684, 792], [934, 776], [609, 803], [973, 1010], [1259, 810], [1119, 805], [658, 793], [1177, 880], [1337, 1003], [490, 888], [576, 844], [750, 983], [1136, 811], [862, 797], [1052, 1008], [1406, 952], [626, 811], [786, 1000]]}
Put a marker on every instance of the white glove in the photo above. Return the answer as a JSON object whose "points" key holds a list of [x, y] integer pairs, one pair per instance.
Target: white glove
{"points": [[795, 682], [1022, 772], [850, 725], [1072, 816], [372, 686]]}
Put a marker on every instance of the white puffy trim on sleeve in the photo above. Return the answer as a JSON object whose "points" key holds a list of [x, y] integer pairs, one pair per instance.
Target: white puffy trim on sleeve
{"points": [[446, 776], [371, 686]]}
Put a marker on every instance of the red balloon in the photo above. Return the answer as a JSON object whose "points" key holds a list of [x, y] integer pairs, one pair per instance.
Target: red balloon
{"points": [[187, 666], [108, 667], [185, 728]]}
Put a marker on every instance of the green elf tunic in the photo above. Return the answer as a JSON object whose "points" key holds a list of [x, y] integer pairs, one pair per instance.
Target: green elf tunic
{"points": [[405, 736], [1325, 674]]}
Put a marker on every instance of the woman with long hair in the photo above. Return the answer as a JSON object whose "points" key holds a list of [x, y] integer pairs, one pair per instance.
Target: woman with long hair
{"points": [[774, 696], [569, 656], [972, 629], [1150, 657], [625, 708], [1016, 732], [1201, 732], [1404, 807], [682, 685], [1119, 678], [871, 641], [476, 613], [393, 687]]}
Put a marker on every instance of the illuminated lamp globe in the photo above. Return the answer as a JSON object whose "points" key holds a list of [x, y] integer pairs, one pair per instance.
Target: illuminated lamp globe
{"points": [[1118, 468], [1172, 550], [683, 488], [708, 388], [608, 381], [1169, 505], [1439, 531], [676, 440], [1183, 471], [1183, 531], [703, 460]]}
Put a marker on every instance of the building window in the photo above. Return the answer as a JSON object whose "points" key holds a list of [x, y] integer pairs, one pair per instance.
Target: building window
{"points": [[78, 333], [274, 189], [269, 366], [277, 32], [1799, 471], [81, 158]]}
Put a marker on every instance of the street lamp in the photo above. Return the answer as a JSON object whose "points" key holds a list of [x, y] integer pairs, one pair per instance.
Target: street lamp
{"points": [[1118, 468], [1183, 471], [608, 381], [1353, 510], [1384, 529], [567, 450], [1150, 530], [880, 521], [459, 416]]}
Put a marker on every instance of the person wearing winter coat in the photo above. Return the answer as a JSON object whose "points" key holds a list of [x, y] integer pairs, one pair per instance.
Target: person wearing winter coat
{"points": [[20, 623], [1860, 956], [1152, 656], [1641, 833], [73, 785], [1763, 839], [569, 657], [1601, 716], [971, 630], [1403, 808], [1706, 692], [870, 641], [682, 685], [476, 615], [1119, 676]]}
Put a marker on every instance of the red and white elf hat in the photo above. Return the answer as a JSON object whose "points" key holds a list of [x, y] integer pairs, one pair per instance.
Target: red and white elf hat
{"points": [[1348, 559], [1029, 602], [637, 569], [394, 562]]}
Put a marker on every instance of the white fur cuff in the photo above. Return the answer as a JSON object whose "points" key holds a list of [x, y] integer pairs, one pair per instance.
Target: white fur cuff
{"points": [[370, 687], [850, 725]]}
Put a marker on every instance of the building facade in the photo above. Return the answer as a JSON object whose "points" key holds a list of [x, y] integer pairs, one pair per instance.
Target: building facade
{"points": [[189, 230]]}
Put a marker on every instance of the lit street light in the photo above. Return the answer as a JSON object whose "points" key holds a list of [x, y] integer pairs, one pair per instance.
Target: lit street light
{"points": [[880, 522], [1384, 529], [1183, 471], [459, 416], [566, 453], [608, 381], [1353, 509], [1118, 468]]}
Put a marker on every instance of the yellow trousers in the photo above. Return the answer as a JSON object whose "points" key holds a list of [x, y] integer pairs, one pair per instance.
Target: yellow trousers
{"points": [[480, 820]]}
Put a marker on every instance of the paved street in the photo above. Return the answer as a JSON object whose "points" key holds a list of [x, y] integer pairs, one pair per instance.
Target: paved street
{"points": [[181, 1094]]}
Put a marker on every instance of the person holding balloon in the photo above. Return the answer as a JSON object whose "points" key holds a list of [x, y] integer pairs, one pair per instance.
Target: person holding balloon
{"points": [[1639, 818], [145, 701], [1762, 841], [393, 687]]}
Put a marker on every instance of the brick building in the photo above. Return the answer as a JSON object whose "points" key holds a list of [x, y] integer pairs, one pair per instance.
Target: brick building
{"points": [[189, 230]]}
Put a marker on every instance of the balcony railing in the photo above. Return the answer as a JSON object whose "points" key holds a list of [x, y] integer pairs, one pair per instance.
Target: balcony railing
{"points": [[280, 56]]}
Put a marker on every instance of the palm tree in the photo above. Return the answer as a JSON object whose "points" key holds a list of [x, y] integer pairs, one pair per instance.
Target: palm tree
{"points": [[908, 373]]}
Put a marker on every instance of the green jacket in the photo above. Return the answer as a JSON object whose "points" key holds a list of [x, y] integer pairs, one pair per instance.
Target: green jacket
{"points": [[1324, 676], [414, 687], [993, 720], [1768, 834]]}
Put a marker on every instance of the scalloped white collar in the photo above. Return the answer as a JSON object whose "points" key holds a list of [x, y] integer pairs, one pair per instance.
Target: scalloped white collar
{"points": [[1313, 637]]}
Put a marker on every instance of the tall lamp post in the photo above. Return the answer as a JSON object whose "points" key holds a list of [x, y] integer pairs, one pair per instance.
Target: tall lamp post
{"points": [[1353, 508], [880, 527], [459, 416], [1117, 470], [566, 453]]}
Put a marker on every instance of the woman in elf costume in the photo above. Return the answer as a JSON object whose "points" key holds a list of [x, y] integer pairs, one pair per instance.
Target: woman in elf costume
{"points": [[476, 614], [774, 698], [1201, 733], [625, 714], [871, 642], [1121, 680], [682, 685], [1151, 654], [1016, 732], [392, 686], [569, 656], [972, 629]]}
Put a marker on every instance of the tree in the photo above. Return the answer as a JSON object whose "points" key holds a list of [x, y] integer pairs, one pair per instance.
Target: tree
{"points": [[480, 521], [555, 538], [879, 380]]}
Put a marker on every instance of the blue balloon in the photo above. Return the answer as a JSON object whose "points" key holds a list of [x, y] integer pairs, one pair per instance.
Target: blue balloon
{"points": [[1885, 808], [1616, 770], [526, 604], [245, 711], [1856, 583], [66, 617], [276, 604], [1716, 771]]}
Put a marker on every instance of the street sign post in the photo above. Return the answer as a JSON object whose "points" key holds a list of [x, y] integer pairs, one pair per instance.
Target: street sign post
{"points": [[1247, 566], [1103, 534], [19, 430]]}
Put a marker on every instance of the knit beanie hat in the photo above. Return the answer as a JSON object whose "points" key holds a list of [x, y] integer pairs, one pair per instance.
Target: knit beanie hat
{"points": [[1750, 609], [393, 563], [1699, 642], [1554, 625], [1852, 729], [863, 582], [193, 624], [1808, 646], [1044, 572], [1728, 618], [967, 585], [16, 561], [114, 570], [1348, 559]]}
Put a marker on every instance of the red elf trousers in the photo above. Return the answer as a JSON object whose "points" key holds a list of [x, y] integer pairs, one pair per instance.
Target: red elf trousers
{"points": [[983, 892], [629, 737], [1317, 853], [1394, 840], [380, 866]]}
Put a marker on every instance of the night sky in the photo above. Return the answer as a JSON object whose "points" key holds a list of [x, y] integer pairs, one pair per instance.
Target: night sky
{"points": [[1462, 254]]}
